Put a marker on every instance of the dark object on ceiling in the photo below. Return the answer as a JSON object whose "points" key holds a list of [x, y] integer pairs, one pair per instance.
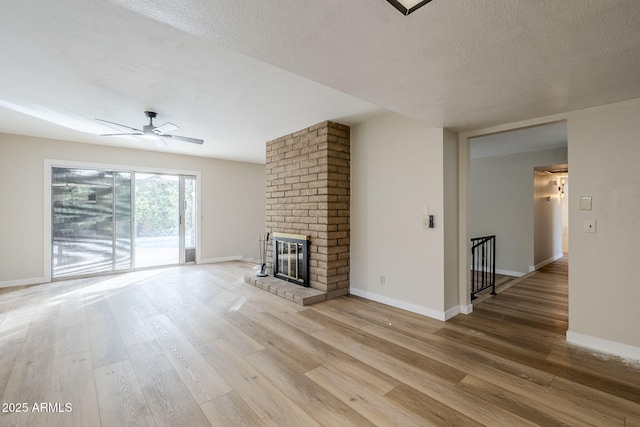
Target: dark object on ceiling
{"points": [[401, 5]]}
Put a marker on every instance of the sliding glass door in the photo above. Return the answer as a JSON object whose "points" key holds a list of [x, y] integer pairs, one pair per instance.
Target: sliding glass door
{"points": [[106, 221], [157, 208]]}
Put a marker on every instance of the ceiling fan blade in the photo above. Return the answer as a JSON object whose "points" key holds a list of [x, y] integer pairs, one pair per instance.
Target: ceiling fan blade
{"points": [[185, 139], [121, 134], [167, 127], [118, 124], [159, 141]]}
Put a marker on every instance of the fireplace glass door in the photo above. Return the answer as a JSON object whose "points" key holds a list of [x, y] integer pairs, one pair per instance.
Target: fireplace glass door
{"points": [[289, 255], [291, 258]]}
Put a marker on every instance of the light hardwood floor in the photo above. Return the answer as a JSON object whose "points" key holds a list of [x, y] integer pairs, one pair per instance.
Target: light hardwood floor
{"points": [[195, 346]]}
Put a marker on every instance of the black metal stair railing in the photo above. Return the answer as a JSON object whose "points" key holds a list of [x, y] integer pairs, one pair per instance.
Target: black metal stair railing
{"points": [[483, 265]]}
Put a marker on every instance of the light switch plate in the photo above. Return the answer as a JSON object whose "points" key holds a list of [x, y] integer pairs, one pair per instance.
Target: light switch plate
{"points": [[585, 203], [590, 226]]}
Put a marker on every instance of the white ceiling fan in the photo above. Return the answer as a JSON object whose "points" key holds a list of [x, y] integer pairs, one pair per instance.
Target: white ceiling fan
{"points": [[155, 133]]}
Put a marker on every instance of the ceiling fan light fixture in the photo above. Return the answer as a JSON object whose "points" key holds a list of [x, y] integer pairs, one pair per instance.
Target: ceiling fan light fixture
{"points": [[408, 6], [151, 132]]}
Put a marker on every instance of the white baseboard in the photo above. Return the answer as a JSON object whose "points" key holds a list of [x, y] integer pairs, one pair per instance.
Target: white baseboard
{"points": [[23, 282], [250, 260], [599, 344], [451, 312], [539, 265], [545, 262], [434, 314], [221, 259], [466, 309], [510, 273]]}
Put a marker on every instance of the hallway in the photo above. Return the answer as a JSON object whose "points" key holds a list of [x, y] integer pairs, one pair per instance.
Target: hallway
{"points": [[538, 300], [526, 324]]}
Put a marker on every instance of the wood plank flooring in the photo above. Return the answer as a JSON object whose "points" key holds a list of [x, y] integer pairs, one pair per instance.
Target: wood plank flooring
{"points": [[195, 346]]}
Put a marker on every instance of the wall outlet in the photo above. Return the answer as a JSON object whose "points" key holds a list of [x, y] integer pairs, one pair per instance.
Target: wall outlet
{"points": [[590, 226], [382, 280]]}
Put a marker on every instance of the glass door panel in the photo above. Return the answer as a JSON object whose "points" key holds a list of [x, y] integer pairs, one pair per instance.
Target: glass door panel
{"points": [[122, 205], [157, 219], [189, 216], [82, 219]]}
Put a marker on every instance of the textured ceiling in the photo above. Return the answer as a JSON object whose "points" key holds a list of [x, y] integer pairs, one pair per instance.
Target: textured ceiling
{"points": [[239, 73]]}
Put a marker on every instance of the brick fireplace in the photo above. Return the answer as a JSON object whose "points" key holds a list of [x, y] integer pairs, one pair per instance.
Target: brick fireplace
{"points": [[308, 193]]}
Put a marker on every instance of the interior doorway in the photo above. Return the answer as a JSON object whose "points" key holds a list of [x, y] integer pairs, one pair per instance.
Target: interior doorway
{"points": [[550, 216], [502, 196]]}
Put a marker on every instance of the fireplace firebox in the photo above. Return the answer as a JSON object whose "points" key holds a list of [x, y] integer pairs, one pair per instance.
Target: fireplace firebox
{"points": [[291, 258]]}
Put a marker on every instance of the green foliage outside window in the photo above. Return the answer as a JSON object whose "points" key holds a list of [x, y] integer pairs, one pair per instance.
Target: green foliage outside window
{"points": [[157, 199]]}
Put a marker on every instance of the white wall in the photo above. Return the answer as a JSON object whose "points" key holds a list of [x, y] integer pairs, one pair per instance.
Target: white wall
{"points": [[450, 219], [501, 202], [397, 175], [547, 219], [232, 205], [565, 216], [604, 281]]}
